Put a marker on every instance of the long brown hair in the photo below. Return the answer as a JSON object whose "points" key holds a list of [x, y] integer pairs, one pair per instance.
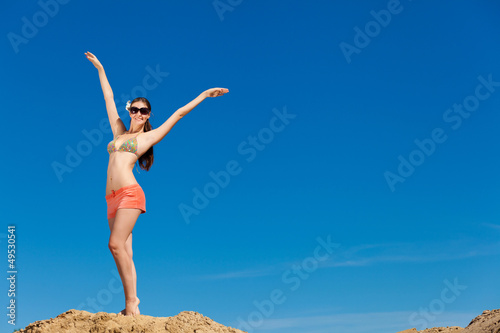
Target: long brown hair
{"points": [[146, 160]]}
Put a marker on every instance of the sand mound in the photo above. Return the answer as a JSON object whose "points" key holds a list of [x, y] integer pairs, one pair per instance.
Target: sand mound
{"points": [[74, 321], [488, 322]]}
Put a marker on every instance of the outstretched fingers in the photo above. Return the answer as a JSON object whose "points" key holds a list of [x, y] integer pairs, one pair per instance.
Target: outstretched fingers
{"points": [[215, 92], [93, 59]]}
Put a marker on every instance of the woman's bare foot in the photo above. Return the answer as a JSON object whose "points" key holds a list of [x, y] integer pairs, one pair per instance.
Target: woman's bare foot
{"points": [[137, 312], [131, 308]]}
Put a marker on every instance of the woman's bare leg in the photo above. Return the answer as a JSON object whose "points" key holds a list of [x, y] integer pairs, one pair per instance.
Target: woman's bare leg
{"points": [[121, 230], [128, 246]]}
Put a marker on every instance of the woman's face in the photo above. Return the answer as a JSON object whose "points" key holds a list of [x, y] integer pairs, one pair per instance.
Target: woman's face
{"points": [[138, 118]]}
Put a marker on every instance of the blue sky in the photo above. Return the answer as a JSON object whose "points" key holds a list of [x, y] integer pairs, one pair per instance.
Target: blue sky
{"points": [[356, 155]]}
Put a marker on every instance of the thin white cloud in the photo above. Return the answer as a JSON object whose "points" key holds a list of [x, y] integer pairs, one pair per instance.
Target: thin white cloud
{"points": [[402, 259], [375, 322], [412, 253], [373, 254], [492, 225], [247, 273]]}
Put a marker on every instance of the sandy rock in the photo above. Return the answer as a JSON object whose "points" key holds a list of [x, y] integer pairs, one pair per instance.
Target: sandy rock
{"points": [[74, 321], [488, 322], [453, 329], [450, 329]]}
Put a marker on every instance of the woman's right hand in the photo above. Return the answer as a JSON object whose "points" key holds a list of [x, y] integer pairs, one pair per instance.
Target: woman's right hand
{"points": [[93, 59]]}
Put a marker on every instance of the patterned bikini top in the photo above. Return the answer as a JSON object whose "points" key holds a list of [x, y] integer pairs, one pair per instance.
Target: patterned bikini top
{"points": [[129, 145]]}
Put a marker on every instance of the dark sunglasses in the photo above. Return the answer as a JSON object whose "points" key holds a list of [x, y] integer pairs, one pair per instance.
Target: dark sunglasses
{"points": [[144, 111]]}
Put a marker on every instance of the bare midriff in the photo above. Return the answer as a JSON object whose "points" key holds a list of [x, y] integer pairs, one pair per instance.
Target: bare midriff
{"points": [[120, 171]]}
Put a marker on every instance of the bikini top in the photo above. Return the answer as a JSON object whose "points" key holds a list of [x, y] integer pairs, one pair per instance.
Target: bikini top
{"points": [[129, 145]]}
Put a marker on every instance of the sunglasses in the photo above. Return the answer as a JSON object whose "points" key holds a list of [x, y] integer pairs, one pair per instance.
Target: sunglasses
{"points": [[143, 111]]}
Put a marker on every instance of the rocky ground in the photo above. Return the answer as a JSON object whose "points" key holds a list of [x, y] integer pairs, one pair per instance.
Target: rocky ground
{"points": [[74, 321]]}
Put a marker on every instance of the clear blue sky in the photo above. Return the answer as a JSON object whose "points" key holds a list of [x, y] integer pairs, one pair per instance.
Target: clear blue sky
{"points": [[370, 127]]}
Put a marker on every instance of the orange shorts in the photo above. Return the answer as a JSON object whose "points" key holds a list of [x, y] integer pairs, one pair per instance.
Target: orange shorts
{"points": [[131, 196]]}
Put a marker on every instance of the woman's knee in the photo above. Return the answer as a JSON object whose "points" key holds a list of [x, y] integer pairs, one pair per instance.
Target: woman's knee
{"points": [[115, 246]]}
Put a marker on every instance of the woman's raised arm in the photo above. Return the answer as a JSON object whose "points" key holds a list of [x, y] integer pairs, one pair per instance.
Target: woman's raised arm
{"points": [[156, 135], [116, 123]]}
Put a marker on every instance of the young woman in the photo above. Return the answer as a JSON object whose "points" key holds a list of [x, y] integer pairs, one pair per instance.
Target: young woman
{"points": [[124, 196]]}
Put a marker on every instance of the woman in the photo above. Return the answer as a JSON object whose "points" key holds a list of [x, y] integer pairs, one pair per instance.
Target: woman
{"points": [[124, 196]]}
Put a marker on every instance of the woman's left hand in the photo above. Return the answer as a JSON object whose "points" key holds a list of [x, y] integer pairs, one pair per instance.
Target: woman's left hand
{"points": [[215, 92]]}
